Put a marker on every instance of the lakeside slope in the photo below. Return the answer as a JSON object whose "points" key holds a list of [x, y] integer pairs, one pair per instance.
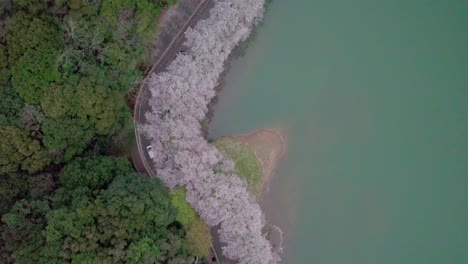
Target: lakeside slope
{"points": [[267, 145]]}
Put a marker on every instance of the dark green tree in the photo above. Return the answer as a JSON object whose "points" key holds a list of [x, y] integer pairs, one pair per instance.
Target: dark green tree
{"points": [[4, 71], [104, 213], [132, 221], [33, 47], [13, 187], [10, 106], [29, 32], [32, 6], [22, 236], [66, 135], [19, 150], [65, 67], [18, 186], [34, 71], [99, 105], [95, 173], [59, 100], [23, 204]]}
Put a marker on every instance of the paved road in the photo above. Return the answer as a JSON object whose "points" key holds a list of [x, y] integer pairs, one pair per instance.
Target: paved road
{"points": [[142, 102]]}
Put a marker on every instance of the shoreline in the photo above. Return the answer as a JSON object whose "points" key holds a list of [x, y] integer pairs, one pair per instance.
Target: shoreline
{"points": [[171, 90], [269, 146]]}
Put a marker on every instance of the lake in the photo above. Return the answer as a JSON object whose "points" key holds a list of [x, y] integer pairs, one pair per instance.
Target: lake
{"points": [[373, 98]]}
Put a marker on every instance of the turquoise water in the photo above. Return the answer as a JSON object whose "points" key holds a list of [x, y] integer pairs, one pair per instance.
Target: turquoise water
{"points": [[373, 96]]}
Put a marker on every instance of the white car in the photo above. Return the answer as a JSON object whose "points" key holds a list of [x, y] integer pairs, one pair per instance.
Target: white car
{"points": [[181, 52], [150, 151]]}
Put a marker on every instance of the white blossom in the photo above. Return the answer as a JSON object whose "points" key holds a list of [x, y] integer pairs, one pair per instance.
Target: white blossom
{"points": [[179, 102]]}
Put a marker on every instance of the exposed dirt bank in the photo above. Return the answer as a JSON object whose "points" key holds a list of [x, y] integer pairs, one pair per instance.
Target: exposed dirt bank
{"points": [[269, 146]]}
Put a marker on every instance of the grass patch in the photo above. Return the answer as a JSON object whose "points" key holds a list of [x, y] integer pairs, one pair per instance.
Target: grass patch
{"points": [[198, 232], [199, 238], [247, 166]]}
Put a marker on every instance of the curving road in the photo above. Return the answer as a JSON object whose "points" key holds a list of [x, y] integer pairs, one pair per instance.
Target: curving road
{"points": [[142, 101]]}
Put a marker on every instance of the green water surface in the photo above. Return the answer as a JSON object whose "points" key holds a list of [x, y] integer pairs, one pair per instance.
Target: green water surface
{"points": [[374, 98]]}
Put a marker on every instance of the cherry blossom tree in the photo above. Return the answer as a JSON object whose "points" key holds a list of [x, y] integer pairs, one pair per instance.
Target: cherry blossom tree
{"points": [[179, 102]]}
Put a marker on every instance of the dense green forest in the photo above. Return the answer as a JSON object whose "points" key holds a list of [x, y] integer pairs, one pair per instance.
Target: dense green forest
{"points": [[65, 68], [101, 213]]}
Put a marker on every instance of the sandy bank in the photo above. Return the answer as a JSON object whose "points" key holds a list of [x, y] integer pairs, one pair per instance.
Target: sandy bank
{"points": [[269, 146]]}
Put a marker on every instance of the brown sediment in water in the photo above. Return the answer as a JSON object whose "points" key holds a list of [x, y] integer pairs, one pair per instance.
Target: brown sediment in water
{"points": [[269, 146]]}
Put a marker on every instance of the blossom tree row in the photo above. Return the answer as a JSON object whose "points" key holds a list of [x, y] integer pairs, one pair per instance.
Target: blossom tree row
{"points": [[179, 102]]}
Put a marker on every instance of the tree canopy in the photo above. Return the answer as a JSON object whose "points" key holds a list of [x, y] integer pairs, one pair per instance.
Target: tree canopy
{"points": [[10, 106], [20, 150], [71, 63], [65, 67], [128, 222], [104, 213]]}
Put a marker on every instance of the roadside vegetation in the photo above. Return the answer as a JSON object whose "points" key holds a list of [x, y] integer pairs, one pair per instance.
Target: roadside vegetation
{"points": [[180, 97], [65, 68], [198, 232]]}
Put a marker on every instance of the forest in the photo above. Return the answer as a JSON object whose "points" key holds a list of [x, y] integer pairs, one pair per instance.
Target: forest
{"points": [[66, 193]]}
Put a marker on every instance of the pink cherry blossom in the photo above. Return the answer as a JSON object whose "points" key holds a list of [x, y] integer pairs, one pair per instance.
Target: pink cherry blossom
{"points": [[179, 103]]}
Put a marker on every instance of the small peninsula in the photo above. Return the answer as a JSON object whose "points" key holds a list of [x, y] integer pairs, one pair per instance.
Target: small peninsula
{"points": [[256, 155]]}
